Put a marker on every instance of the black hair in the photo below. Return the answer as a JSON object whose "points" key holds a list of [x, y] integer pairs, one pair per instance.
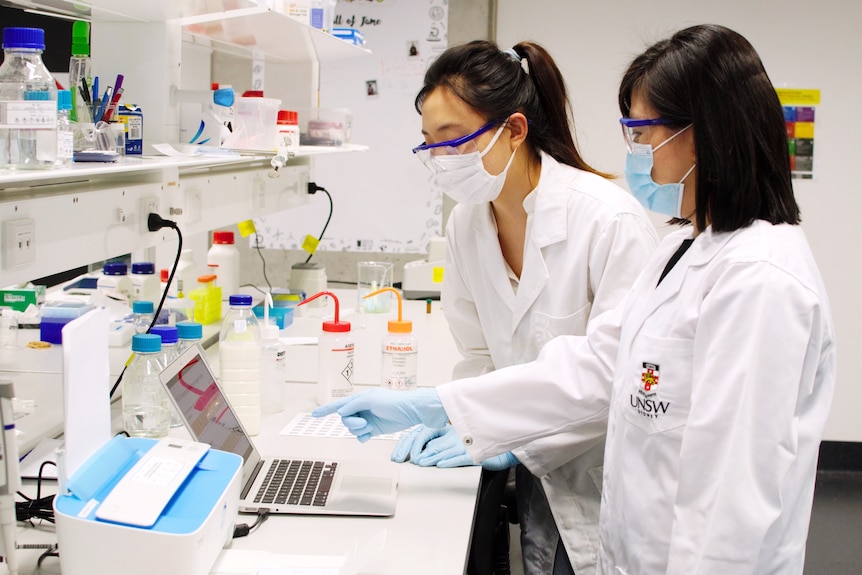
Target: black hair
{"points": [[711, 77], [494, 84]]}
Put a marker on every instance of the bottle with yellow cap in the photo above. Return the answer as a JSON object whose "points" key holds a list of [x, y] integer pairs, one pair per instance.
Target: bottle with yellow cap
{"points": [[400, 351], [335, 347]]}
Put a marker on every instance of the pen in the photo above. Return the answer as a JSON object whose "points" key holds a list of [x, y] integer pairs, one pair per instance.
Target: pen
{"points": [[102, 105], [109, 113], [85, 91], [95, 97]]}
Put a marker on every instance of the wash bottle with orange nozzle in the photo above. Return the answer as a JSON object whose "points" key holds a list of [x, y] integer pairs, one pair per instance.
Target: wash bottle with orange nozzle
{"points": [[400, 351], [335, 348]]}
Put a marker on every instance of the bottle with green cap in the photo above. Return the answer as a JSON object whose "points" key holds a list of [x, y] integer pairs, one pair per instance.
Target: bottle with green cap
{"points": [[80, 76], [400, 351]]}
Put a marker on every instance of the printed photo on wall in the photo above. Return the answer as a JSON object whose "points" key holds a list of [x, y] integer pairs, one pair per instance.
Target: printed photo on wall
{"points": [[412, 49], [371, 88]]}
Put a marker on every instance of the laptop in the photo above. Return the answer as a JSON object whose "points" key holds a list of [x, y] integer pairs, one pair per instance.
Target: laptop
{"points": [[275, 484]]}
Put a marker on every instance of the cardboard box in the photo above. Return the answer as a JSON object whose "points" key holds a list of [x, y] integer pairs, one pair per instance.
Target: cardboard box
{"points": [[132, 118]]}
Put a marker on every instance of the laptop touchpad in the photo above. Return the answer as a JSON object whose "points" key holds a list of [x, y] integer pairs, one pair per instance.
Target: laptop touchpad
{"points": [[360, 484]]}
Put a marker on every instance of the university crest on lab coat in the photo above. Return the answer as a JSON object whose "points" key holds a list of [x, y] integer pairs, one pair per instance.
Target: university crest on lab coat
{"points": [[649, 375]]}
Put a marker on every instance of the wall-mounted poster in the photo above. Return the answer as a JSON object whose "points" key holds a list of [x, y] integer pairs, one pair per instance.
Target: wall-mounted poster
{"points": [[799, 108]]}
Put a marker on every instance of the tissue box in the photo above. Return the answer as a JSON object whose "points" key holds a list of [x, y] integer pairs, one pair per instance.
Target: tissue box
{"points": [[20, 298]]}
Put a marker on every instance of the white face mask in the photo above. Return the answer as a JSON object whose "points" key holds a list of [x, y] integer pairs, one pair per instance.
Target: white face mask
{"points": [[463, 177]]}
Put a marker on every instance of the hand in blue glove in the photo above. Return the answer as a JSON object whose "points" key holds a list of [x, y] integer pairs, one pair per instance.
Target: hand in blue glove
{"points": [[413, 442], [444, 448], [379, 411]]}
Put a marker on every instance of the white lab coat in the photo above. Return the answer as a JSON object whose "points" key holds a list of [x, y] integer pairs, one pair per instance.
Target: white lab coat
{"points": [[711, 468], [586, 242]]}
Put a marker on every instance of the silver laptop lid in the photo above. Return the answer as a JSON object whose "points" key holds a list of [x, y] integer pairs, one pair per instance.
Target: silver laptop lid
{"points": [[194, 390]]}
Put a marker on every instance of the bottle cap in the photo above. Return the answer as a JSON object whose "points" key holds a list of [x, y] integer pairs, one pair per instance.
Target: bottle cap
{"points": [[240, 299], [223, 237], [268, 331], [395, 325], [207, 279], [146, 343], [164, 275], [30, 38], [144, 268], [80, 38], [142, 306], [189, 330], [289, 117], [253, 94], [335, 325], [168, 333], [115, 269], [64, 100]]}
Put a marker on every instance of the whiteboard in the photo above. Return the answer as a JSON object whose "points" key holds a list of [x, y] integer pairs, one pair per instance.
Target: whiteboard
{"points": [[383, 201], [803, 45]]}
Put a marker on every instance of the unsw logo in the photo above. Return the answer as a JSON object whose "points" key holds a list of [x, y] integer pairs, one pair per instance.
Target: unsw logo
{"points": [[645, 401]]}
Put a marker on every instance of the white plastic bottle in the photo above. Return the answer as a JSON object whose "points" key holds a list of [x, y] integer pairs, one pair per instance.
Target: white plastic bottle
{"points": [[239, 360], [65, 137], [145, 282], [335, 349], [186, 276], [400, 351], [224, 254], [28, 99], [273, 372], [115, 281], [146, 411]]}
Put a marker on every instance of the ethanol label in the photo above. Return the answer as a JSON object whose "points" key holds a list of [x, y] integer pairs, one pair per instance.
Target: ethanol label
{"points": [[32, 114]]}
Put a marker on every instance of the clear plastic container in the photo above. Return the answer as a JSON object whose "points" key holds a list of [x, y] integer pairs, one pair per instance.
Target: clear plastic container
{"points": [[146, 407], [254, 124], [28, 100], [273, 369], [170, 351], [224, 254], [64, 128], [188, 334], [239, 360], [143, 315]]}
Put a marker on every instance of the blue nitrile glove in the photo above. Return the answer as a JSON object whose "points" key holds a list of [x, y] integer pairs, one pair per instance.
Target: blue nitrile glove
{"points": [[413, 442], [444, 448], [379, 411]]}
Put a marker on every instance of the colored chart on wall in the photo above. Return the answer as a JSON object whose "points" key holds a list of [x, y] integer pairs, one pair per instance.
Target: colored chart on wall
{"points": [[799, 108]]}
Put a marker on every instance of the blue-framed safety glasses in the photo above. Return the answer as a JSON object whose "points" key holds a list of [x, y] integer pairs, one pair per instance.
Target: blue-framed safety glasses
{"points": [[638, 131], [463, 145]]}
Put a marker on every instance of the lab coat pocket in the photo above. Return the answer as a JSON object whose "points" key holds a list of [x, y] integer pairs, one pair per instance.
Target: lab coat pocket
{"points": [[658, 391], [546, 327]]}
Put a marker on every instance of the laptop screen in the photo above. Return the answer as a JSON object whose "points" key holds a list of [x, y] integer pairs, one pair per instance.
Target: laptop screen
{"points": [[204, 408]]}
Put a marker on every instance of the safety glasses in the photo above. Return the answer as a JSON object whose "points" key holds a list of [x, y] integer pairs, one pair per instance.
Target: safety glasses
{"points": [[463, 145], [638, 131]]}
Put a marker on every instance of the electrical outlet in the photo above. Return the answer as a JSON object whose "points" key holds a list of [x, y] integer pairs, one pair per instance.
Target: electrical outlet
{"points": [[19, 242], [148, 205]]}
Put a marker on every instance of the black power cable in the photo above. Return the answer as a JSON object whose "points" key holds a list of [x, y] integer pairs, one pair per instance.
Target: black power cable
{"points": [[312, 189], [154, 223]]}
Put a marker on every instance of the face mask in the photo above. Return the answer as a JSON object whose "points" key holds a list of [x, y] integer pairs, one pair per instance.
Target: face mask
{"points": [[463, 177], [663, 199]]}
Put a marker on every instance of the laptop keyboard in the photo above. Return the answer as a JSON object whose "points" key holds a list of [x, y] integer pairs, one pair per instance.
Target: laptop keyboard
{"points": [[295, 482]]}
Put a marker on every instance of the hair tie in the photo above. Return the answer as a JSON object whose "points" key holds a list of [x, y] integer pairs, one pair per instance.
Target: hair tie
{"points": [[525, 66]]}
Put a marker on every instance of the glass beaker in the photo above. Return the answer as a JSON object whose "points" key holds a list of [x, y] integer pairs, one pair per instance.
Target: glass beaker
{"points": [[372, 276]]}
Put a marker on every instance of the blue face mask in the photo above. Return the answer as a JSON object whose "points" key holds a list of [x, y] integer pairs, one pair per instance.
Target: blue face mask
{"points": [[663, 199]]}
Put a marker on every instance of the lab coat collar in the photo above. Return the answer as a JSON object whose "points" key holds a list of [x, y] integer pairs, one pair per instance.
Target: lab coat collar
{"points": [[705, 247], [547, 204]]}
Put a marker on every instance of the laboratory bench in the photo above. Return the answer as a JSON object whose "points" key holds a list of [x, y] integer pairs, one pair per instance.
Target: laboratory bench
{"points": [[430, 531]]}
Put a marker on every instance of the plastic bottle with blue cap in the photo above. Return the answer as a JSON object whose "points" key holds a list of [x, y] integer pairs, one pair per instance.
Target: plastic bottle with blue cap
{"points": [[239, 361], [28, 100], [146, 409]]}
